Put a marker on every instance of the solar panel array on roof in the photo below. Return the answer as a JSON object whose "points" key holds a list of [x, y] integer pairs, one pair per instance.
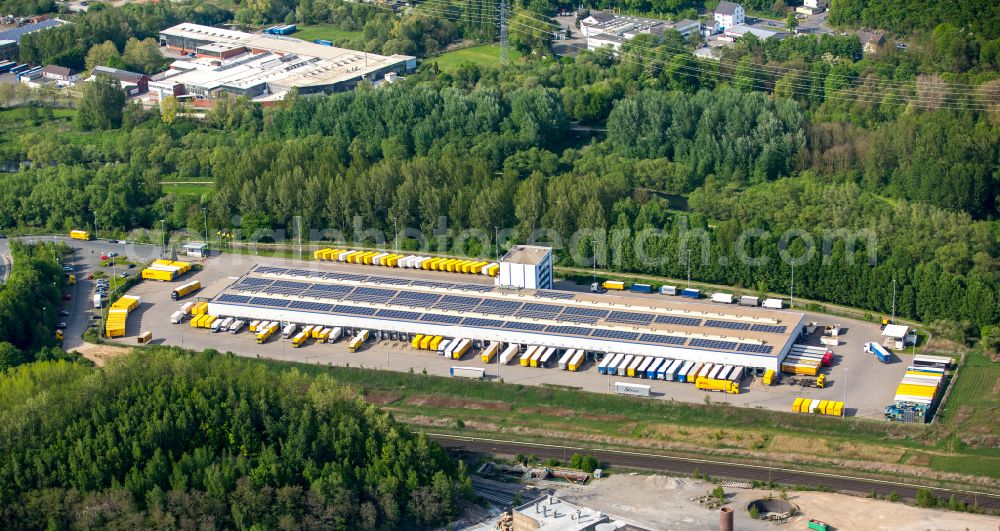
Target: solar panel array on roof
{"points": [[568, 330], [630, 317], [311, 306], [16, 33], [529, 327], [268, 301], [398, 314], [755, 349], [713, 343], [666, 340], [614, 334], [440, 318], [729, 325], [681, 321], [353, 310], [773, 329], [237, 299], [479, 322]]}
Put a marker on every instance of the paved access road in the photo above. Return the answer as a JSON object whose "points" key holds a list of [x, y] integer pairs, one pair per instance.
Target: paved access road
{"points": [[715, 469], [85, 259]]}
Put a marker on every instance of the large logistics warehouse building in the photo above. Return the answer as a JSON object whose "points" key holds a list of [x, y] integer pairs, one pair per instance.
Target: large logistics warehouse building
{"points": [[398, 307], [261, 66]]}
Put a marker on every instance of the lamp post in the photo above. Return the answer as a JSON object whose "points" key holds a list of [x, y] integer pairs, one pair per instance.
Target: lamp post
{"points": [[845, 385], [163, 231]]}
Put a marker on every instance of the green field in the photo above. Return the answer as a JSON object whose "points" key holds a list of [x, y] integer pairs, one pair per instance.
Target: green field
{"points": [[551, 414], [485, 55], [326, 32]]}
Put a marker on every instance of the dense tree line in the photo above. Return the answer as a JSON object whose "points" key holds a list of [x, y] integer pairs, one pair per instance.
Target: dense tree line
{"points": [[904, 16], [69, 44], [166, 439], [29, 302], [790, 119]]}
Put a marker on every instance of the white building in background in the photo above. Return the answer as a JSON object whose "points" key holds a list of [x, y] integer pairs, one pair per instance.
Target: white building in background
{"points": [[526, 266], [603, 29], [729, 14]]}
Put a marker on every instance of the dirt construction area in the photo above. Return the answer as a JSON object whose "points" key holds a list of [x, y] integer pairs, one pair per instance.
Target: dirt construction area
{"points": [[664, 503], [864, 384]]}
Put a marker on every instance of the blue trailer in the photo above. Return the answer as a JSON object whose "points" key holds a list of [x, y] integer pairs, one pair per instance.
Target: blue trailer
{"points": [[651, 370], [19, 68], [691, 293], [641, 288], [323, 42], [878, 351], [6, 66]]}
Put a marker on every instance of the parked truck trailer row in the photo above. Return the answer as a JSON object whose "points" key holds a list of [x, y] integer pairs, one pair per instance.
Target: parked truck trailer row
{"points": [[430, 263]]}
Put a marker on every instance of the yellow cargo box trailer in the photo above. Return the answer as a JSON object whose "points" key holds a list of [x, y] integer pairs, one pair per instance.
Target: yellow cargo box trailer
{"points": [[434, 343], [713, 384], [415, 342], [79, 235]]}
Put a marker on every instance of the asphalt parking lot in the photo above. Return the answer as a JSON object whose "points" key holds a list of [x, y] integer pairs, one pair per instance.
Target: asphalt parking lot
{"points": [[865, 385]]}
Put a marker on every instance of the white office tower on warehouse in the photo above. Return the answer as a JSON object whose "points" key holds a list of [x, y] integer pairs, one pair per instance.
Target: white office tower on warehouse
{"points": [[526, 266]]}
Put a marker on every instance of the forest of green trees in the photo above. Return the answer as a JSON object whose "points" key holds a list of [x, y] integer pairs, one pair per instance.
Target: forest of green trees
{"points": [[166, 439], [29, 302], [890, 176]]}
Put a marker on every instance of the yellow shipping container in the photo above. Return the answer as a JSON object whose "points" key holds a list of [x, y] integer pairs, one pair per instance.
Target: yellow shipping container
{"points": [[79, 235], [769, 377], [797, 405], [916, 390], [838, 409], [157, 274], [494, 270], [435, 343], [425, 342]]}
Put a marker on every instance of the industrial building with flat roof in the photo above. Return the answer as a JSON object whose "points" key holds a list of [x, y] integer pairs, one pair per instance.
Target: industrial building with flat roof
{"points": [[265, 66], [400, 307]]}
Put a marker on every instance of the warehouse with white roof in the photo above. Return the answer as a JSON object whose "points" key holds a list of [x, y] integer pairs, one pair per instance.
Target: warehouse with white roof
{"points": [[400, 307], [265, 66]]}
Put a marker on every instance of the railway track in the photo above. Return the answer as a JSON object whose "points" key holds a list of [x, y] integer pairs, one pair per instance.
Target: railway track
{"points": [[718, 469]]}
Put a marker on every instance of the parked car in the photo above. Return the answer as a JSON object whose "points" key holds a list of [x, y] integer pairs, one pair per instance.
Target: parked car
{"points": [[63, 313], [68, 268], [123, 274], [112, 241], [104, 257], [112, 254], [131, 266], [61, 326], [67, 296]]}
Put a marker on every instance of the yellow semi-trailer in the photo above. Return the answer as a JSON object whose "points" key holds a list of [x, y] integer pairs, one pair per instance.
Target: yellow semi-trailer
{"points": [[358, 340], [299, 339], [614, 284], [267, 332], [79, 235], [493, 270], [208, 320], [526, 357], [430, 342], [323, 335], [713, 384], [460, 349], [577, 360], [489, 352], [185, 290], [801, 369], [415, 342]]}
